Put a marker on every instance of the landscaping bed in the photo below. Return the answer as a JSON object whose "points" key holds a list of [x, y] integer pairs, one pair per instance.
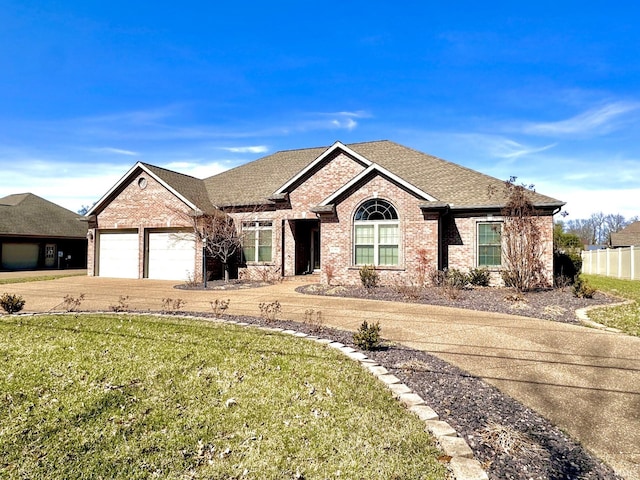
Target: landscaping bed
{"points": [[510, 440], [558, 304]]}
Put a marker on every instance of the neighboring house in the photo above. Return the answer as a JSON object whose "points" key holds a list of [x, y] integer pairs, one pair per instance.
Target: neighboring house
{"points": [[329, 210], [627, 237], [38, 234]]}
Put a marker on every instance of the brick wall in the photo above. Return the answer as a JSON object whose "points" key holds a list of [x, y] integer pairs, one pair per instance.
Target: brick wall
{"points": [[460, 243], [151, 207], [417, 233]]}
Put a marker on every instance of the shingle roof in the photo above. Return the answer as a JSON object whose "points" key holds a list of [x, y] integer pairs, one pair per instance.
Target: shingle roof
{"points": [[628, 236], [458, 186], [254, 182], [26, 214], [191, 188]]}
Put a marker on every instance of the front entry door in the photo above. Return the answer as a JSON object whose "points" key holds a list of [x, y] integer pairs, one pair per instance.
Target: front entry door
{"points": [[315, 248], [307, 237], [50, 255]]}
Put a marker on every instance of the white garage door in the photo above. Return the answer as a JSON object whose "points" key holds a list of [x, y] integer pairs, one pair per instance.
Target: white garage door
{"points": [[172, 255], [118, 254]]}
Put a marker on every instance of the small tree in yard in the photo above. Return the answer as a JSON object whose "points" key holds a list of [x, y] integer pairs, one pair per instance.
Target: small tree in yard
{"points": [[522, 244], [220, 237]]}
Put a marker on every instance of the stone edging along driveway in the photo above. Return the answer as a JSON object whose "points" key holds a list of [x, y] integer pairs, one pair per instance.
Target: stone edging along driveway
{"points": [[461, 462]]}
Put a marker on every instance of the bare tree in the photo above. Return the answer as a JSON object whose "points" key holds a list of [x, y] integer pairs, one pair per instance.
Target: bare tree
{"points": [[597, 229], [219, 237], [522, 244]]}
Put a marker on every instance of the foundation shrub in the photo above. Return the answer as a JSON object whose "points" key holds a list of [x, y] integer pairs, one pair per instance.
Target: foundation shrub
{"points": [[456, 279], [369, 276], [479, 277], [408, 288], [567, 264], [582, 288], [330, 272]]}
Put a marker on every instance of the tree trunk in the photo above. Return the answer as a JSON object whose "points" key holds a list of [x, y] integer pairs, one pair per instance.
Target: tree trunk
{"points": [[226, 273]]}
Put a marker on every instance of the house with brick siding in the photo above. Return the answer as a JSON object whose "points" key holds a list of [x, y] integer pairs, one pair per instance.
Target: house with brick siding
{"points": [[329, 210]]}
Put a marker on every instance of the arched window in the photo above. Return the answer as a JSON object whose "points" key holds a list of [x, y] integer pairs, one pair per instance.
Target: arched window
{"points": [[376, 234]]}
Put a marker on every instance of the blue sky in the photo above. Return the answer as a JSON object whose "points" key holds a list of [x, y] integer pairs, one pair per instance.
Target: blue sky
{"points": [[546, 91]]}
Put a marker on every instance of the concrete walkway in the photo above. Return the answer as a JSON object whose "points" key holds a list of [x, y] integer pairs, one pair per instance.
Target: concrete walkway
{"points": [[585, 381]]}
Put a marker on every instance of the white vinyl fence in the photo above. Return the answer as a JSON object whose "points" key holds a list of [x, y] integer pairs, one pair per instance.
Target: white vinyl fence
{"points": [[613, 262]]}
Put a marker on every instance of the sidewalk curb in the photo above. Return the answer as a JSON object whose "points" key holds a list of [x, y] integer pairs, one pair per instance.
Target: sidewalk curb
{"points": [[583, 316]]}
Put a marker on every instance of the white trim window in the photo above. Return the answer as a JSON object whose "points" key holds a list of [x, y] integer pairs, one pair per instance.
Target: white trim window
{"points": [[257, 241], [489, 244], [376, 235]]}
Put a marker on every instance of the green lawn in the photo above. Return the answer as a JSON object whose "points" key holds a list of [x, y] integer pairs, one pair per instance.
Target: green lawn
{"points": [[103, 396], [39, 278], [624, 317]]}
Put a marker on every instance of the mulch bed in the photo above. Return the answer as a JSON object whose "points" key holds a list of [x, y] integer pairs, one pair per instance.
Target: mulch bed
{"points": [[558, 305], [510, 440]]}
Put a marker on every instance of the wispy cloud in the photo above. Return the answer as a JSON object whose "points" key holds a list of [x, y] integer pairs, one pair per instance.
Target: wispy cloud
{"points": [[500, 147], [344, 120], [117, 151], [248, 149], [596, 121]]}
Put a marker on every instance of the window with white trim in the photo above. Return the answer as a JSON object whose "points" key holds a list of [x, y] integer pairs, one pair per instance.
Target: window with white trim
{"points": [[376, 238], [489, 244], [257, 239]]}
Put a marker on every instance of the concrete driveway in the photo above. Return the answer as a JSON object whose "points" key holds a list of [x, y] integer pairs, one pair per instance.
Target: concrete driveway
{"points": [[585, 381]]}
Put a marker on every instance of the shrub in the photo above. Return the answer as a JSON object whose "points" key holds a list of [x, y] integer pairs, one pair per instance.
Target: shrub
{"points": [[329, 271], [368, 336], [456, 279], [122, 305], [407, 288], [437, 277], [71, 303], [423, 267], [509, 277], [567, 264], [368, 276], [170, 304], [314, 319], [219, 306], [479, 277], [11, 303], [582, 289], [269, 311]]}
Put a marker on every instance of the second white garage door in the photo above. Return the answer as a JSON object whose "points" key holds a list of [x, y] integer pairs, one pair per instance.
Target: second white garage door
{"points": [[172, 255]]}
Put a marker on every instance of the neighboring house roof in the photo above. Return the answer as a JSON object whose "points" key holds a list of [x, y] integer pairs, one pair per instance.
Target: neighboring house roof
{"points": [[27, 215], [628, 236]]}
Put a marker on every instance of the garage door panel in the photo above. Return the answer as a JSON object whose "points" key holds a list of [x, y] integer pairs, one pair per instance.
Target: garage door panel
{"points": [[171, 255], [118, 254], [20, 256]]}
